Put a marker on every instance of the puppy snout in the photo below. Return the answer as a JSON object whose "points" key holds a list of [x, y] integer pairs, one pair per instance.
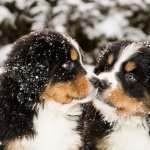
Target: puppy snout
{"points": [[103, 85], [100, 84], [95, 81]]}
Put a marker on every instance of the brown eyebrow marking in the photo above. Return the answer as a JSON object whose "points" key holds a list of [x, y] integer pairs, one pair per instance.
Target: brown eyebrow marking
{"points": [[110, 59], [74, 54], [130, 66]]}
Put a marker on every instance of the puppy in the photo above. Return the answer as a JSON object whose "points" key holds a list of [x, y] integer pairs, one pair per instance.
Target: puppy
{"points": [[42, 87], [123, 99]]}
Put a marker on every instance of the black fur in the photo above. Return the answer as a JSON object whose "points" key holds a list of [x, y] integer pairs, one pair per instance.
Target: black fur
{"points": [[97, 128], [141, 72], [93, 127], [112, 48], [35, 59]]}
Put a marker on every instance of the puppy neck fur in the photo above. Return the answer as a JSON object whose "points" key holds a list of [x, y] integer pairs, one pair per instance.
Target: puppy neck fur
{"points": [[133, 130], [60, 122]]}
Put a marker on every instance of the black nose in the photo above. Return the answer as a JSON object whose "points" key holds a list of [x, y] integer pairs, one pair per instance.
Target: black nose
{"points": [[95, 81], [103, 85], [100, 84]]}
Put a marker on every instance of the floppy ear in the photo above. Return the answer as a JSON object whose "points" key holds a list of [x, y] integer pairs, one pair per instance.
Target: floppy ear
{"points": [[26, 75], [28, 66]]}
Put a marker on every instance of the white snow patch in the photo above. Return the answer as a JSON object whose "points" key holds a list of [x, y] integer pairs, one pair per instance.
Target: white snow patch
{"points": [[5, 14], [73, 2], [111, 26], [4, 51], [107, 3], [21, 3], [140, 3], [89, 68], [39, 20]]}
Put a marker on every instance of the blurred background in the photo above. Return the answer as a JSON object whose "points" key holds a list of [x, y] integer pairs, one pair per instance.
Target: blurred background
{"points": [[93, 23]]}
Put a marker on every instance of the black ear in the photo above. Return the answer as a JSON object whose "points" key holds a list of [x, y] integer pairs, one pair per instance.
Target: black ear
{"points": [[30, 67], [96, 70]]}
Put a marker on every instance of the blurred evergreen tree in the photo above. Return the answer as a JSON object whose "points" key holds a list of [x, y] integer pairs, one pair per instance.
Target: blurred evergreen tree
{"points": [[92, 23]]}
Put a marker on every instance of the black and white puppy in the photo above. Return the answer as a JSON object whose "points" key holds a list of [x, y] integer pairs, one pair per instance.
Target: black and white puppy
{"points": [[123, 99], [41, 89]]}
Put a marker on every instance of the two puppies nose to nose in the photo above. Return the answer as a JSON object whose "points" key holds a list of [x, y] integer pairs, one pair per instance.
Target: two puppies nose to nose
{"points": [[100, 84]]}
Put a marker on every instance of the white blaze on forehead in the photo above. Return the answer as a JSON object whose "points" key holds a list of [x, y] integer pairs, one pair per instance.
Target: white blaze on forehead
{"points": [[124, 55]]}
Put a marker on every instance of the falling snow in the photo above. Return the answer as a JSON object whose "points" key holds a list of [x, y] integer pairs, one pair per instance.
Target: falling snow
{"points": [[93, 22]]}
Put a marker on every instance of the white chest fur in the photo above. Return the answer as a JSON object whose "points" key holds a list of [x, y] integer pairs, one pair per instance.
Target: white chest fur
{"points": [[128, 134], [55, 129]]}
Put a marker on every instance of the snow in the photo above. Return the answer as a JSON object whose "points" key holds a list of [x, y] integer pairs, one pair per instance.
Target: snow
{"points": [[102, 20], [21, 3], [136, 34], [111, 26], [94, 22], [5, 14], [59, 22], [133, 2], [39, 20], [114, 24], [89, 68], [147, 1], [4, 51], [73, 2], [107, 3]]}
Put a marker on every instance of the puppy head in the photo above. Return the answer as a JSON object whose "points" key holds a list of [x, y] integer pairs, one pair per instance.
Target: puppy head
{"points": [[124, 73], [47, 65]]}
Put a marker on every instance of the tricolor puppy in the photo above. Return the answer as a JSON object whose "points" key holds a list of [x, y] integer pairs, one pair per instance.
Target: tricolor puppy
{"points": [[41, 90], [124, 96]]}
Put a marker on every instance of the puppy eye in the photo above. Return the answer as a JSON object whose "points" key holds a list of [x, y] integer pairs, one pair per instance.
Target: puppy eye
{"points": [[68, 65], [107, 67], [130, 78]]}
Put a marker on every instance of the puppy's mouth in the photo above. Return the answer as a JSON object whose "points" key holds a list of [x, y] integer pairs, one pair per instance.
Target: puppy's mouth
{"points": [[66, 99], [101, 98], [76, 98], [88, 98]]}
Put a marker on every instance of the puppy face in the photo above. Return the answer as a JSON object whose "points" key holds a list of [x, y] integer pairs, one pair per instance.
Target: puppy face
{"points": [[47, 65], [124, 71]]}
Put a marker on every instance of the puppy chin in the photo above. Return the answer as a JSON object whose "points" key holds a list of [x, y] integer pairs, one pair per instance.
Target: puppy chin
{"points": [[87, 99], [108, 112], [101, 100], [102, 95]]}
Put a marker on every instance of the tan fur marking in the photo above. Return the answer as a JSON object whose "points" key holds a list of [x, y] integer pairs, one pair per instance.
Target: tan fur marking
{"points": [[126, 105], [110, 59], [102, 144], [74, 54], [65, 92], [147, 99], [14, 145], [130, 66]]}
